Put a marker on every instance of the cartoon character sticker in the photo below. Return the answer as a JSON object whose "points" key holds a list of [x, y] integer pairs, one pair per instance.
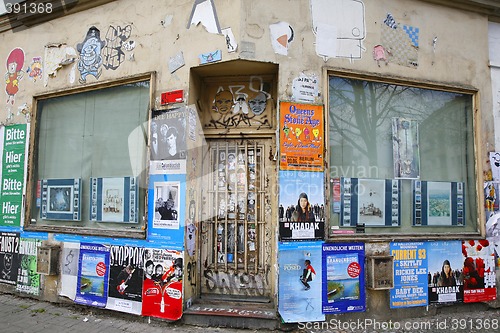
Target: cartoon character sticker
{"points": [[90, 55], [35, 69], [15, 63]]}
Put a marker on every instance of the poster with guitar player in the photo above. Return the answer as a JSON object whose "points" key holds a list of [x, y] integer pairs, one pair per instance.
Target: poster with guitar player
{"points": [[162, 285], [125, 279]]}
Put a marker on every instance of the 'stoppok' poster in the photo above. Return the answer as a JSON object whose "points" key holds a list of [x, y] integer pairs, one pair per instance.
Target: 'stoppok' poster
{"points": [[125, 279], [162, 288], [9, 261], [92, 286]]}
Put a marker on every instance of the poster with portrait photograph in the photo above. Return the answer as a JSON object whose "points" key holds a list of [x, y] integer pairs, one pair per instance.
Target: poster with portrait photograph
{"points": [[93, 273], [162, 283], [370, 202], [343, 278], [9, 257], [405, 148], [61, 199], [302, 203], [126, 268], [438, 203], [478, 271], [444, 274], [114, 199], [168, 134], [300, 274], [301, 137]]}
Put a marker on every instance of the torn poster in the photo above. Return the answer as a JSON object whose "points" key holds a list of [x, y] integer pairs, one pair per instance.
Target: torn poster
{"points": [[204, 12], [281, 37]]}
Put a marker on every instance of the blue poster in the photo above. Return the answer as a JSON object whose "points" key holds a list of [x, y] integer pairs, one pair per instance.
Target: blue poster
{"points": [[300, 272], [343, 278], [166, 201], [93, 272], [410, 274]]}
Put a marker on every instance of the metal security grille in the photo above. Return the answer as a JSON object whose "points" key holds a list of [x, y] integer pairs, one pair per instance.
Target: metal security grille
{"points": [[235, 227]]}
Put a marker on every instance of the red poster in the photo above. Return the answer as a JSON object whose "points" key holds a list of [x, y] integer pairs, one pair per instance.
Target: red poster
{"points": [[301, 137], [478, 271], [162, 287]]}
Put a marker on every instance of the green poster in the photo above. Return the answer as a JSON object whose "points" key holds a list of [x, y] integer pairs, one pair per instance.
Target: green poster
{"points": [[28, 280], [13, 155]]}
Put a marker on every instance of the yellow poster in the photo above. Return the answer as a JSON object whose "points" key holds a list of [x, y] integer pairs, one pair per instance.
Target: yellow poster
{"points": [[301, 136]]}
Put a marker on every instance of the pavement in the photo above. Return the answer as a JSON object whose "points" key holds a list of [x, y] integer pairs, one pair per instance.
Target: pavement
{"points": [[27, 315]]}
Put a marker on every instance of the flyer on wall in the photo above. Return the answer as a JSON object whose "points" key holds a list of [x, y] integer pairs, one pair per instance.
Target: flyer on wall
{"points": [[301, 136], [92, 285], [28, 280]]}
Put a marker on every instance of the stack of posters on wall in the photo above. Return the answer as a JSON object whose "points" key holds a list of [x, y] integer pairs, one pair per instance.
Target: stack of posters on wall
{"points": [[298, 288], [92, 284], [406, 151], [410, 274], [438, 203], [442, 272], [162, 286], [9, 257], [125, 279], [61, 199], [493, 235], [28, 280], [308, 187], [13, 150], [114, 199], [370, 202], [343, 278]]}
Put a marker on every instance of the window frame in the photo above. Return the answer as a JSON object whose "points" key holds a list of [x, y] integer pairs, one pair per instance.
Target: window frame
{"points": [[138, 233], [415, 234]]}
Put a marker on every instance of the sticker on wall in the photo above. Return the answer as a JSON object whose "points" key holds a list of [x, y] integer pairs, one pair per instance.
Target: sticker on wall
{"points": [[300, 281], [339, 27], [35, 69], [231, 44], [405, 148], [281, 37], [93, 273], [343, 278], [116, 44], [302, 199], [28, 280], [90, 55], [9, 257], [438, 203], [162, 286], [126, 272], [370, 202], [61, 199], [14, 63], [401, 40], [380, 54], [411, 281], [305, 88], [176, 62], [478, 271], [204, 12], [114, 199], [495, 165], [301, 137], [206, 58]]}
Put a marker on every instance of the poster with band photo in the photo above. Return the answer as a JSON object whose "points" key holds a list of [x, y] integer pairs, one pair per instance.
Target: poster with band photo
{"points": [[438, 203], [113, 199], [372, 202], [61, 199]]}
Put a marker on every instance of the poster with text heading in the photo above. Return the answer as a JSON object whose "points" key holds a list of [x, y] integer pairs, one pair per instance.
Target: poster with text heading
{"points": [[301, 137], [9, 257], [343, 278], [445, 263], [410, 274], [28, 280]]}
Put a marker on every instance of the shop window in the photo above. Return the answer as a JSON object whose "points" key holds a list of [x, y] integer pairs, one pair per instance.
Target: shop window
{"points": [[401, 159], [89, 157]]}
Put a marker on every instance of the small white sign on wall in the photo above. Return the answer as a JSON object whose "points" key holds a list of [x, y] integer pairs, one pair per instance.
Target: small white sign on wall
{"points": [[305, 88]]}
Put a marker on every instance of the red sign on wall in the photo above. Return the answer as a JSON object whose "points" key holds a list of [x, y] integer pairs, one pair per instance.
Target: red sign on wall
{"points": [[174, 96]]}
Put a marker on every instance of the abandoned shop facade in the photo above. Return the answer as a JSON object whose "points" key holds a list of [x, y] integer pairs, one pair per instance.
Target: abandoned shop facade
{"points": [[172, 159]]}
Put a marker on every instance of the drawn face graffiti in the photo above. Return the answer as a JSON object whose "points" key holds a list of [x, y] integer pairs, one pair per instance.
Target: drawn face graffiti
{"points": [[258, 103], [223, 101], [90, 55]]}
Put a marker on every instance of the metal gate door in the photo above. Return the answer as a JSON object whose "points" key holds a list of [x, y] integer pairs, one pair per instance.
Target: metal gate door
{"points": [[236, 233]]}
